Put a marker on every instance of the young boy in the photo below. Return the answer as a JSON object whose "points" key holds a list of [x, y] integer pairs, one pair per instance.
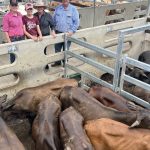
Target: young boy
{"points": [[31, 24]]}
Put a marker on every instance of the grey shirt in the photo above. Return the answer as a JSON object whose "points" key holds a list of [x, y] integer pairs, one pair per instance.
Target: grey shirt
{"points": [[46, 22]]}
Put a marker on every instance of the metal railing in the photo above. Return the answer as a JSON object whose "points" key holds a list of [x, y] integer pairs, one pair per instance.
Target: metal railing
{"points": [[122, 34], [125, 77], [89, 61], [117, 85], [133, 62]]}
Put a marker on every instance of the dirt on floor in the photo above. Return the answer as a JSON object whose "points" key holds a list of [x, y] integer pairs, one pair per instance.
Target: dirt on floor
{"points": [[20, 123]]}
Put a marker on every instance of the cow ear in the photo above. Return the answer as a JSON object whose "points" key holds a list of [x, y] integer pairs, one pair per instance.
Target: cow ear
{"points": [[129, 69], [144, 75]]}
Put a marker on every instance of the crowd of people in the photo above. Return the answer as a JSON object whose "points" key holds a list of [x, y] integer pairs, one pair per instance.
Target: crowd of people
{"points": [[17, 27]]}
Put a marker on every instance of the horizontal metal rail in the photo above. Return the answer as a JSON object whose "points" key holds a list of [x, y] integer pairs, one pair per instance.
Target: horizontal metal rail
{"points": [[135, 29], [97, 49], [135, 99], [90, 76], [137, 82], [91, 62], [138, 64]]}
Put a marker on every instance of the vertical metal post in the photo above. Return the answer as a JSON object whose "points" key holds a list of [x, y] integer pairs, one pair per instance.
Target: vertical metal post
{"points": [[122, 73], [118, 61], [148, 8], [113, 1], [6, 2], [94, 12], [65, 55]]}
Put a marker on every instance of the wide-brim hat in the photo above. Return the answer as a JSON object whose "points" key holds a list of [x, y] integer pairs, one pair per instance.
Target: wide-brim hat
{"points": [[39, 4]]}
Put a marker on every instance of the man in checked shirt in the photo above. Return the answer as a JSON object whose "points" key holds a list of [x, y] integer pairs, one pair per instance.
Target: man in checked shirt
{"points": [[66, 20]]}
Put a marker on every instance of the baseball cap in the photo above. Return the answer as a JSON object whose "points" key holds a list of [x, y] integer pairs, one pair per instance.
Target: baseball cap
{"points": [[14, 2], [28, 6]]}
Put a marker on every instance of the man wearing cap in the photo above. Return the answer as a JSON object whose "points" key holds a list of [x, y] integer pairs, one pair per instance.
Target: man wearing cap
{"points": [[13, 25], [66, 19]]}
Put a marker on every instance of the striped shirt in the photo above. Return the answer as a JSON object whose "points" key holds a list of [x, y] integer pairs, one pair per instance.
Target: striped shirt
{"points": [[66, 20]]}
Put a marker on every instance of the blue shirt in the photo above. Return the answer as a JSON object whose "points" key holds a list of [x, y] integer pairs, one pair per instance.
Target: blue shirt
{"points": [[66, 20]]}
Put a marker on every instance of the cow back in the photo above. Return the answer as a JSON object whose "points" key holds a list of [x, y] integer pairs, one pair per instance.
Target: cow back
{"points": [[8, 140], [45, 129], [112, 135]]}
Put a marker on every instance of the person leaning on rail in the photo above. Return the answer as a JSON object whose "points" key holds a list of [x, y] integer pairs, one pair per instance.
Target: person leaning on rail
{"points": [[46, 22], [66, 19], [13, 25], [31, 24], [45, 19]]}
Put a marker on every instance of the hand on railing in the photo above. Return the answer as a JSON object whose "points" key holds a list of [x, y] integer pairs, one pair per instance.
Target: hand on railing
{"points": [[69, 33]]}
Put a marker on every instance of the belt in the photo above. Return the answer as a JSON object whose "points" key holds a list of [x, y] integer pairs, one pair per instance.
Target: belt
{"points": [[17, 38], [58, 31]]}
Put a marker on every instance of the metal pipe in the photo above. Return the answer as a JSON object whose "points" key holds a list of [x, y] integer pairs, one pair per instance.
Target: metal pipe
{"points": [[97, 49], [65, 55], [118, 61], [91, 62]]}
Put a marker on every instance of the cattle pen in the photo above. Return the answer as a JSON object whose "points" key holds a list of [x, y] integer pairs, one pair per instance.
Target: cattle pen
{"points": [[96, 48], [33, 73]]}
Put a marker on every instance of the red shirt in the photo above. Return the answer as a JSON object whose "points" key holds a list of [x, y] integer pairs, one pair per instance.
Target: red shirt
{"points": [[31, 25], [13, 24]]}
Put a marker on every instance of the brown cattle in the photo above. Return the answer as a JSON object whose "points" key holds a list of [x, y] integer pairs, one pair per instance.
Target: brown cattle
{"points": [[111, 99], [145, 57], [91, 109], [133, 89], [139, 92], [107, 134], [107, 77], [8, 140], [71, 130], [45, 126], [28, 99], [20, 124]]}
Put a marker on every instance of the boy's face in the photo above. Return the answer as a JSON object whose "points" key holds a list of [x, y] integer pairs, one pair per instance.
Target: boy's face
{"points": [[29, 11]]}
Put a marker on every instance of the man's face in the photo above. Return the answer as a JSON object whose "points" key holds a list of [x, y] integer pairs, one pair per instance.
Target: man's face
{"points": [[65, 2], [40, 9]]}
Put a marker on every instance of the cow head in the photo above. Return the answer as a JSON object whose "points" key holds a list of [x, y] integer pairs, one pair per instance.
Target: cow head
{"points": [[139, 74]]}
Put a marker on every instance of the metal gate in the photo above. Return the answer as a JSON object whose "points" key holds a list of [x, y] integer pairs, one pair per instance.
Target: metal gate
{"points": [[117, 83], [129, 61]]}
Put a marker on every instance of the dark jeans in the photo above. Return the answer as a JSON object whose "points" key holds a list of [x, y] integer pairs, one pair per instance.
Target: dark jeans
{"points": [[45, 47], [13, 39], [59, 46]]}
